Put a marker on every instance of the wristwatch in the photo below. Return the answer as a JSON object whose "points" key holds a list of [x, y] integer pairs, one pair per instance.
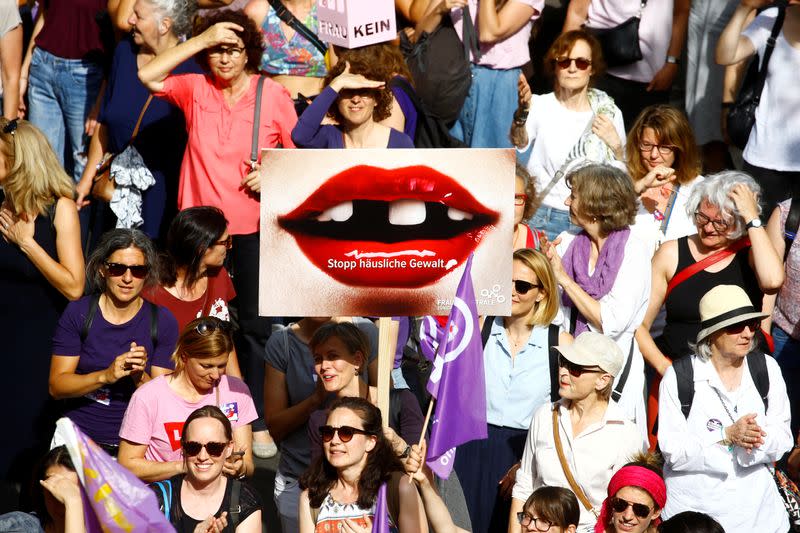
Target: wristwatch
{"points": [[405, 453], [755, 223]]}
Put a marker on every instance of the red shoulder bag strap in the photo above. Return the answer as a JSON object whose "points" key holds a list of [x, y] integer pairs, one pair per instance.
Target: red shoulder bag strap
{"points": [[694, 268]]}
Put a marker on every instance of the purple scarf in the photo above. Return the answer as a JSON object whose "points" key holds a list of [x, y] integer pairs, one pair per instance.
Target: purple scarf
{"points": [[597, 285]]}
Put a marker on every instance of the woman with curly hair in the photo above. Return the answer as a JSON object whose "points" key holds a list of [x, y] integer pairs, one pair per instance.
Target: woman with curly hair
{"points": [[341, 487], [525, 204], [357, 98]]}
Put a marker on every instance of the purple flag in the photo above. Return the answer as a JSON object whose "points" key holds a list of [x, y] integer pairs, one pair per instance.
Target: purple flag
{"points": [[380, 521], [457, 381], [114, 499]]}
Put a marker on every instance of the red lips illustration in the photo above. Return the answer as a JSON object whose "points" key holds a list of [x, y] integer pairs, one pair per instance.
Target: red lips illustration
{"points": [[374, 227]]}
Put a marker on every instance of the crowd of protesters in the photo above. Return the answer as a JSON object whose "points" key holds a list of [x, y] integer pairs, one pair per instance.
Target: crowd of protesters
{"points": [[645, 380]]}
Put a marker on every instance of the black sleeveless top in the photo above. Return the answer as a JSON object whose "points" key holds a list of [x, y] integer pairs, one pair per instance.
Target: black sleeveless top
{"points": [[682, 304]]}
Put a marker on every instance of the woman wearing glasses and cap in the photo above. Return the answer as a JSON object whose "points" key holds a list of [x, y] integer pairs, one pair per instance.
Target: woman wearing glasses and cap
{"points": [[340, 488], [574, 122], [636, 496], [151, 431], [724, 418], [203, 499], [592, 432], [109, 343]]}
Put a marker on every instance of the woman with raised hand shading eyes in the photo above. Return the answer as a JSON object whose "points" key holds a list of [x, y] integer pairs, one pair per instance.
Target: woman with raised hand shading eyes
{"points": [[204, 499], [357, 102], [109, 343], [152, 424]]}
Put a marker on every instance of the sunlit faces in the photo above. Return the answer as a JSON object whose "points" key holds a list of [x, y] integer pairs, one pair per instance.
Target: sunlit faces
{"points": [[340, 454], [356, 107], [227, 62], [214, 256], [709, 219], [576, 215], [127, 287], [335, 365], [205, 373], [573, 387], [572, 77], [204, 467], [736, 340], [627, 520], [145, 24], [653, 152], [522, 304]]}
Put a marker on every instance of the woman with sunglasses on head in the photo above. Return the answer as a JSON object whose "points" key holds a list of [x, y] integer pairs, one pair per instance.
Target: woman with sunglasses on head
{"points": [[636, 496], [575, 122], [519, 374], [203, 498], [736, 250], [340, 489], [594, 434], [358, 103], [41, 269], [109, 343], [154, 419], [724, 419]]}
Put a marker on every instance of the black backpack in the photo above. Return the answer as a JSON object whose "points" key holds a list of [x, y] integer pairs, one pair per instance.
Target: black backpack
{"points": [[431, 131], [684, 375]]}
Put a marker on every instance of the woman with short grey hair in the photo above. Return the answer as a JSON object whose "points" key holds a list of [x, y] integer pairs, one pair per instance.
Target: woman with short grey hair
{"points": [[146, 172]]}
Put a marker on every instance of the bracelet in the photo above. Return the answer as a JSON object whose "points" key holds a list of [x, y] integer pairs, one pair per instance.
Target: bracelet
{"points": [[520, 123], [673, 60]]}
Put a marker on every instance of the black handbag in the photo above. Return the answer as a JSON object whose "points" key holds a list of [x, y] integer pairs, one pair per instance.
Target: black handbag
{"points": [[742, 114], [620, 44]]}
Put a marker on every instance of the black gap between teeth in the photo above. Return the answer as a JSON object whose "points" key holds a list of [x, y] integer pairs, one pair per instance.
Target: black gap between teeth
{"points": [[370, 222]]}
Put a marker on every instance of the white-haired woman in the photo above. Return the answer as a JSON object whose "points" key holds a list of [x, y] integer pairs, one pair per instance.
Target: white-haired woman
{"points": [[724, 417], [730, 247], [156, 26]]}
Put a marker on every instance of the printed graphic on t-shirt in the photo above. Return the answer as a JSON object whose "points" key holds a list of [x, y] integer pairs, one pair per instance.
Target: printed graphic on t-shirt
{"points": [[218, 309], [174, 431], [231, 410], [101, 395]]}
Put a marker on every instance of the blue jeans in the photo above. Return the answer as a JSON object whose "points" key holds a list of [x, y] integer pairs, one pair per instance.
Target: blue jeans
{"points": [[61, 92], [485, 118], [17, 521], [552, 221], [787, 354]]}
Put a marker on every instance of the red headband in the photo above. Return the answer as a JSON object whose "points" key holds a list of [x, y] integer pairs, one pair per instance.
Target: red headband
{"points": [[633, 476]]}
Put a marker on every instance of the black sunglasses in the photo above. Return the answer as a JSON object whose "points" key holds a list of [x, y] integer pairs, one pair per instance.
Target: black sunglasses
{"points": [[735, 329], [210, 324], [581, 63], [618, 505], [345, 433], [576, 370], [118, 269], [11, 126], [522, 286], [214, 449]]}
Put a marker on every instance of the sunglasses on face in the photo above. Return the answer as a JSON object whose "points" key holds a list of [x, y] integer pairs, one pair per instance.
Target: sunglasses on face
{"points": [[618, 505], [735, 329], [119, 269], [233, 51], [575, 370], [214, 449], [522, 286], [718, 225], [581, 63], [227, 243], [345, 433], [209, 325], [540, 524]]}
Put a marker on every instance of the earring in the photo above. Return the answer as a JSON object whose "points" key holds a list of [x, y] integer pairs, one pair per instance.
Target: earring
{"points": [[356, 369]]}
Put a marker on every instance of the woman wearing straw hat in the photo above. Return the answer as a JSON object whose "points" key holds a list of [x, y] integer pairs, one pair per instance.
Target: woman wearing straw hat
{"points": [[726, 421]]}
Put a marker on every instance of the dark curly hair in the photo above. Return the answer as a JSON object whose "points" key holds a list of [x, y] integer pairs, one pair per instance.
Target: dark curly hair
{"points": [[386, 59], [321, 477], [251, 37], [361, 64]]}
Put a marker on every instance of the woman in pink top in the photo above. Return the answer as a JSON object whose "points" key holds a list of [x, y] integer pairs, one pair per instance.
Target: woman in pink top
{"points": [[216, 171], [150, 435]]}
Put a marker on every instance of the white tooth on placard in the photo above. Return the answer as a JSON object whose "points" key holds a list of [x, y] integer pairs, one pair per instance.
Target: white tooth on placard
{"points": [[337, 213], [406, 212], [456, 214]]}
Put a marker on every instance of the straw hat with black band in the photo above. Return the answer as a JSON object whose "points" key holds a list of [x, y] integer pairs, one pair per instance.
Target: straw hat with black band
{"points": [[723, 306]]}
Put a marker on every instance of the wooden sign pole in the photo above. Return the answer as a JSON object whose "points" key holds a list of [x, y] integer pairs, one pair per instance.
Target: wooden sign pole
{"points": [[387, 345]]}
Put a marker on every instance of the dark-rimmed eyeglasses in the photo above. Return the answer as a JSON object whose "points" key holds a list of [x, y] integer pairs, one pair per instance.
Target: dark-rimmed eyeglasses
{"points": [[576, 370], [11, 127], [618, 505], [119, 269], [540, 524], [211, 324], [520, 199], [663, 149], [234, 52], [701, 220], [735, 329], [214, 449], [522, 287], [581, 63], [345, 433], [227, 243]]}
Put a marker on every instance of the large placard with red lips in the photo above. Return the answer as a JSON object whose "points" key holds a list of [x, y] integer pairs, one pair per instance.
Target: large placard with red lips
{"points": [[384, 232]]}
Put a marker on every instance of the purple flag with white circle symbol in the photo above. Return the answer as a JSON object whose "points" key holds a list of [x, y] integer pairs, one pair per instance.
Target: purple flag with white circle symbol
{"points": [[457, 381]]}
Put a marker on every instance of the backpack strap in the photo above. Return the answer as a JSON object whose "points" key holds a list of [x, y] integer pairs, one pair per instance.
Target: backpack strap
{"points": [[552, 340], [684, 376], [616, 394], [486, 329], [792, 225], [166, 495], [235, 510], [256, 121], [293, 22], [757, 364], [90, 314]]}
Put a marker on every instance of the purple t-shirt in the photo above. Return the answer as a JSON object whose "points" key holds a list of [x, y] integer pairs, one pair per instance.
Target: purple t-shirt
{"points": [[99, 413]]}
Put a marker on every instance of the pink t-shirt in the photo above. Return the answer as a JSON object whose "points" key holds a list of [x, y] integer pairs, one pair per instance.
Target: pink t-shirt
{"points": [[218, 150], [156, 414], [511, 52]]}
